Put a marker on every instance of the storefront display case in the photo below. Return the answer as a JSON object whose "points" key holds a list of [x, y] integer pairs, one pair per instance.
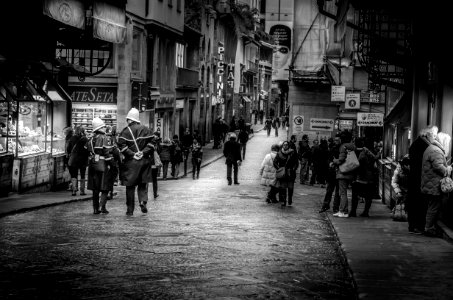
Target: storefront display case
{"points": [[32, 119], [83, 114]]}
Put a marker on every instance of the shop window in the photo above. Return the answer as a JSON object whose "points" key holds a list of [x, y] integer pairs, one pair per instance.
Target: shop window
{"points": [[180, 49], [137, 52]]}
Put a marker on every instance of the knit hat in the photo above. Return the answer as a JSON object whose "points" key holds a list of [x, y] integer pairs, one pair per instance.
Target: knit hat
{"points": [[97, 123], [133, 115]]}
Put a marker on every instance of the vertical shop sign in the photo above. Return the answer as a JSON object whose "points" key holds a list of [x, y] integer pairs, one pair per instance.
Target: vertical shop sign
{"points": [[220, 72], [158, 124], [230, 75]]}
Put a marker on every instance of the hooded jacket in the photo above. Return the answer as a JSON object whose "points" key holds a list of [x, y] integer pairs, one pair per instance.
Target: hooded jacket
{"points": [[434, 168]]}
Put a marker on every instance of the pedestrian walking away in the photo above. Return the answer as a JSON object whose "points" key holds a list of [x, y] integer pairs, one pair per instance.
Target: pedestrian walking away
{"points": [[304, 156], [165, 156], [268, 126], [268, 174], [197, 156], [176, 156], [186, 140], [243, 138], [78, 159], [332, 182], [286, 158], [135, 143], [100, 174], [232, 153]]}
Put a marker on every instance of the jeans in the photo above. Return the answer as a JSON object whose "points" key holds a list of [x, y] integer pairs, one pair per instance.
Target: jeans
{"points": [[343, 185], [165, 168], [365, 190], [186, 158], [332, 185], [232, 167], [154, 172], [175, 170], [243, 149], [74, 171], [268, 131], [142, 192], [282, 192], [304, 170], [196, 164], [432, 214], [272, 194], [276, 130]]}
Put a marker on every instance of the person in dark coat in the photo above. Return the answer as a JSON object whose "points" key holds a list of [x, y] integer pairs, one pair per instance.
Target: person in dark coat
{"points": [[363, 185], [135, 143], [268, 126], [332, 182], [78, 159], [187, 140], [243, 139], [197, 156], [287, 158], [292, 143], [233, 126], [176, 156], [68, 132], [217, 132], [416, 205], [165, 156], [304, 155], [232, 153], [241, 123], [276, 125], [115, 163], [100, 175]]}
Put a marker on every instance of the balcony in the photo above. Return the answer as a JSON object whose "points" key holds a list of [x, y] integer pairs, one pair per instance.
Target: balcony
{"points": [[251, 67], [187, 78]]}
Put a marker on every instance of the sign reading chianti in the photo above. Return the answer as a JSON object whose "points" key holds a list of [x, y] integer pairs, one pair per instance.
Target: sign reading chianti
{"points": [[90, 94]]}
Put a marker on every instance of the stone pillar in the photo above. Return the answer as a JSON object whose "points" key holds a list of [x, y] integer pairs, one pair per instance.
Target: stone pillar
{"points": [[419, 102], [124, 77]]}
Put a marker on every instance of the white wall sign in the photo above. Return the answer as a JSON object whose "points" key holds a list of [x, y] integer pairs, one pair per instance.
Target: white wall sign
{"points": [[352, 101], [370, 119], [179, 103], [298, 124], [321, 124], [338, 93], [158, 123]]}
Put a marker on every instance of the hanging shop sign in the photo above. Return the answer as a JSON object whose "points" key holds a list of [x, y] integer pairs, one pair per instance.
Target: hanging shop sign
{"points": [[220, 72], [338, 93], [321, 124], [69, 12], [109, 22], [281, 31], [352, 101], [93, 94], [158, 123], [370, 119], [230, 75]]}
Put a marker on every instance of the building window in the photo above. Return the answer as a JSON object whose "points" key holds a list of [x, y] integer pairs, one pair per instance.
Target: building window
{"points": [[178, 5], [180, 55], [137, 51]]}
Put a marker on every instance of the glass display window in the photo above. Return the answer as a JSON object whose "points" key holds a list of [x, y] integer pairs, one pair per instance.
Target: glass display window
{"points": [[5, 104]]}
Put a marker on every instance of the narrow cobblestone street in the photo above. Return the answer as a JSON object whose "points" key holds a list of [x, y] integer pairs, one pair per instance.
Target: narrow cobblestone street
{"points": [[201, 239]]}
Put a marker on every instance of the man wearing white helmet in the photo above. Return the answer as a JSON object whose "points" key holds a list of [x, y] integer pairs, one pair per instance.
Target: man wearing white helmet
{"points": [[101, 176], [135, 143], [232, 152]]}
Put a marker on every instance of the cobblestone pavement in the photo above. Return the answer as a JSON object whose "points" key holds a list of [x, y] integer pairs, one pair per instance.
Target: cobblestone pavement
{"points": [[201, 239]]}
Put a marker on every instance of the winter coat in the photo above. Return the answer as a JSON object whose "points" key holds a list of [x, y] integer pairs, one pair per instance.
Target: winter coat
{"points": [[268, 170], [243, 137], [197, 152], [165, 153], [366, 170], [176, 152], [416, 151], [290, 161], [434, 168], [187, 140], [102, 145], [78, 153], [304, 150], [232, 151], [132, 171], [344, 148]]}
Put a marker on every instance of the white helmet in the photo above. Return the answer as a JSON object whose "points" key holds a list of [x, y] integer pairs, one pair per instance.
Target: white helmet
{"points": [[232, 135], [133, 115], [97, 123]]}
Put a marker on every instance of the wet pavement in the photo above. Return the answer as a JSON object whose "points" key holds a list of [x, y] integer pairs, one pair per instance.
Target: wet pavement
{"points": [[201, 239]]}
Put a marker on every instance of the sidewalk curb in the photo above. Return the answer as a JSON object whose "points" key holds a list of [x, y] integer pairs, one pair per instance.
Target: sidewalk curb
{"points": [[26, 209]]}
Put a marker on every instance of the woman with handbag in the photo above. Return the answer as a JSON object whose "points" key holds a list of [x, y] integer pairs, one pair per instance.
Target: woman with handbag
{"points": [[135, 143], [100, 172], [78, 159], [268, 174], [286, 164]]}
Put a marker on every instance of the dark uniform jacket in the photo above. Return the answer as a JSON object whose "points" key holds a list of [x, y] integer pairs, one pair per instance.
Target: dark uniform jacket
{"points": [[132, 171], [76, 148], [102, 145]]}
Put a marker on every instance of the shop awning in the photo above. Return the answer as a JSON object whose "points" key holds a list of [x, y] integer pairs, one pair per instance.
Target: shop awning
{"points": [[246, 99]]}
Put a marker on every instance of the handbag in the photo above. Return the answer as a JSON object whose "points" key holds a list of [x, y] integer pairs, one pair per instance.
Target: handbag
{"points": [[399, 213], [280, 173], [350, 164], [446, 185], [157, 162], [97, 161], [71, 156]]}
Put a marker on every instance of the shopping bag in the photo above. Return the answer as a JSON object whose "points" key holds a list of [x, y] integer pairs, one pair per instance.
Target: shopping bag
{"points": [[157, 161], [66, 175], [399, 213], [351, 163], [280, 173]]}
